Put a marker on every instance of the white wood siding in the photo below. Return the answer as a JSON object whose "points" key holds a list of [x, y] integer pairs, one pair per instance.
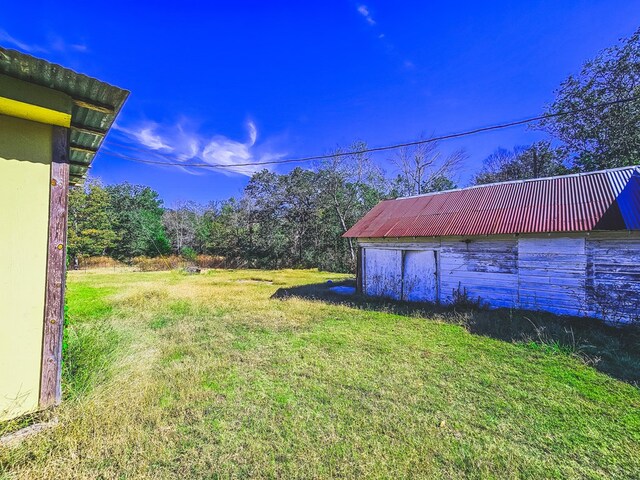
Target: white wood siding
{"points": [[594, 274], [485, 269], [419, 283], [552, 275], [383, 273], [613, 276]]}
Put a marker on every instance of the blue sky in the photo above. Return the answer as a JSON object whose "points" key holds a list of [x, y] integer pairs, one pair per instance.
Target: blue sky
{"points": [[231, 82]]}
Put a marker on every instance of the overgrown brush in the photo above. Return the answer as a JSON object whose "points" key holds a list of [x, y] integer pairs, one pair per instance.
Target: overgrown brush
{"points": [[210, 261], [154, 264], [85, 262], [173, 262]]}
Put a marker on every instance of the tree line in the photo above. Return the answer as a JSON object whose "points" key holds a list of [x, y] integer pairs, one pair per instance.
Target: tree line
{"points": [[297, 219]]}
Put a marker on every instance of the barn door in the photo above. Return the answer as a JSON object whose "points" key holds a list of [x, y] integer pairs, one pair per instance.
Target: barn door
{"points": [[419, 283], [383, 272]]}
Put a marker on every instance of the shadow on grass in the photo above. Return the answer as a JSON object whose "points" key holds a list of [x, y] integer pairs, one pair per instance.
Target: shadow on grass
{"points": [[612, 350]]}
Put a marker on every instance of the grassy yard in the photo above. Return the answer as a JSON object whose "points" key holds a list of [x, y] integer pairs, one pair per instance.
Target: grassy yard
{"points": [[206, 376]]}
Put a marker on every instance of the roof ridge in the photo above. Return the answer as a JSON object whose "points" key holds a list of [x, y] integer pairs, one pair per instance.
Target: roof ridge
{"points": [[538, 179]]}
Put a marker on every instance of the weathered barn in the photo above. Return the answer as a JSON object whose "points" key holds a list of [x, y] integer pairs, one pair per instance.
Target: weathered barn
{"points": [[568, 245], [52, 122]]}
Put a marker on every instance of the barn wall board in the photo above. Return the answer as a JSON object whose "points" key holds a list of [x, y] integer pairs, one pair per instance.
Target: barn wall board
{"points": [[613, 276], [553, 275], [419, 276], [483, 269], [383, 273]]}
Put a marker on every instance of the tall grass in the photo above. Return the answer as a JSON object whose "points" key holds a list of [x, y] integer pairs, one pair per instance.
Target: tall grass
{"points": [[91, 343], [89, 357]]}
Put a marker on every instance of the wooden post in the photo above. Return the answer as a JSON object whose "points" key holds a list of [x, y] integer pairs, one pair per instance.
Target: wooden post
{"points": [[50, 388], [359, 270]]}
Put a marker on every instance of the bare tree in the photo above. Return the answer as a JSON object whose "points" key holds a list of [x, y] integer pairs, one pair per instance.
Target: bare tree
{"points": [[181, 224], [423, 168], [353, 184]]}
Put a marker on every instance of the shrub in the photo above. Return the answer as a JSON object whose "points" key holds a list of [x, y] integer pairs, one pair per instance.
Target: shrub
{"points": [[462, 299], [188, 253]]}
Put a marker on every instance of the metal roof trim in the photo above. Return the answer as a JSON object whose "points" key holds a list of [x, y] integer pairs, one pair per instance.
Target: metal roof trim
{"points": [[96, 104]]}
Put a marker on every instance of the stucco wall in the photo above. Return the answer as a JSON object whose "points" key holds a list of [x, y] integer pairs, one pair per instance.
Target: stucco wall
{"points": [[25, 164]]}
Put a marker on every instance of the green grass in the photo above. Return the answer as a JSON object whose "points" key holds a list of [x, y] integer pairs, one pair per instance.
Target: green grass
{"points": [[206, 376]]}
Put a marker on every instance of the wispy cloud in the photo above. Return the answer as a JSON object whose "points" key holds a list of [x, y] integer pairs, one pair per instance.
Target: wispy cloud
{"points": [[181, 143], [146, 136], [55, 44], [6, 38], [58, 44], [364, 11]]}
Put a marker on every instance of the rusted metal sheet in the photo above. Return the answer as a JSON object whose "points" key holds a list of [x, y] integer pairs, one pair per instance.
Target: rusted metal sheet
{"points": [[96, 103], [605, 200]]}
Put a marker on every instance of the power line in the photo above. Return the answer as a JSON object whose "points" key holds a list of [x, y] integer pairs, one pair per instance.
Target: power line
{"points": [[357, 152]]}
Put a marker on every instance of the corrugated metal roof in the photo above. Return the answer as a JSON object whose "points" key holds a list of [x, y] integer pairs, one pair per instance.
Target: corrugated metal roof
{"points": [[605, 200], [96, 103]]}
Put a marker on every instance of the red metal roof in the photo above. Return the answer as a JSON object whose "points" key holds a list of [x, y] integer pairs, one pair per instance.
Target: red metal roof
{"points": [[571, 203]]}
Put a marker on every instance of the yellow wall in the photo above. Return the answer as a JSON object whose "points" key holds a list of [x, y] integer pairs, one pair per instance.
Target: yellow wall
{"points": [[25, 164]]}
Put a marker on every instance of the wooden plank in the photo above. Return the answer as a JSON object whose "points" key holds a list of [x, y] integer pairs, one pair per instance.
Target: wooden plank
{"points": [[613, 268], [80, 164], [617, 236], [401, 245], [527, 269], [620, 278], [95, 106], [552, 280], [18, 437], [418, 242], [554, 257], [359, 261], [553, 273], [551, 245], [50, 390], [86, 150], [88, 130], [616, 268]]}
